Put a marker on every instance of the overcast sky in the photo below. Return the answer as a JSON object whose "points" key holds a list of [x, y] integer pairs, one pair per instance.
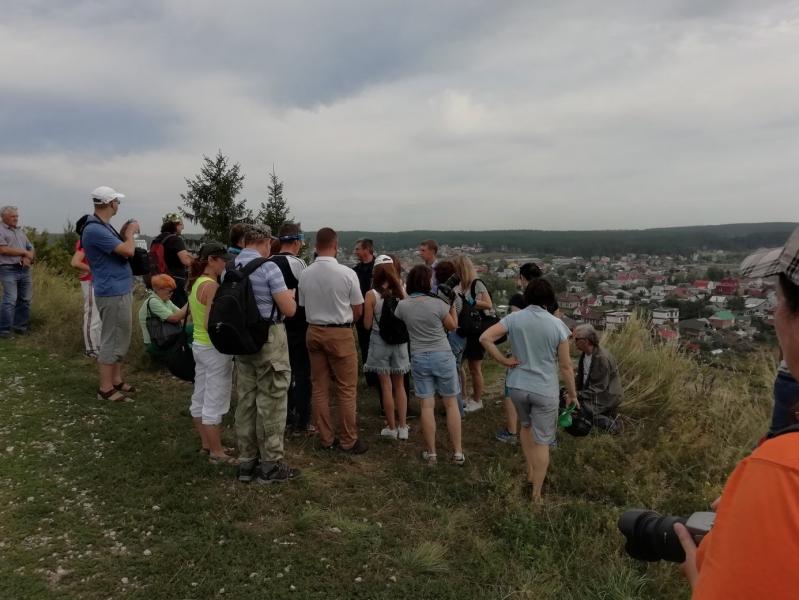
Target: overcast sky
{"points": [[449, 114]]}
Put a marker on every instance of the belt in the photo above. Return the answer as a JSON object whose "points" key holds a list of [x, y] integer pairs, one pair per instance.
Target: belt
{"points": [[331, 324]]}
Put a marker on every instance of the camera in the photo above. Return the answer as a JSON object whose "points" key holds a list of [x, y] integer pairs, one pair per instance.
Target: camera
{"points": [[651, 537], [446, 291]]}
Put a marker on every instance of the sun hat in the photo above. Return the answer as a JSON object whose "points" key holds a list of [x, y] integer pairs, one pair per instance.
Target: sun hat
{"points": [[105, 194], [384, 259], [766, 263]]}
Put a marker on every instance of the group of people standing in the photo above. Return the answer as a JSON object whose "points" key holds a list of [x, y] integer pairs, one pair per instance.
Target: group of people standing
{"points": [[313, 313]]}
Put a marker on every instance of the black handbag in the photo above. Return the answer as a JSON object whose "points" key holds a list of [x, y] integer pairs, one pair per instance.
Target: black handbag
{"points": [[180, 360], [140, 262], [472, 322], [162, 333]]}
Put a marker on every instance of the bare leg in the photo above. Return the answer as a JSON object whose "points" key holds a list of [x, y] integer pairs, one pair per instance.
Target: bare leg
{"points": [[429, 424], [537, 458], [453, 423], [198, 425], [117, 373], [511, 420], [388, 399], [106, 377], [476, 372], [400, 397], [213, 435], [462, 380]]}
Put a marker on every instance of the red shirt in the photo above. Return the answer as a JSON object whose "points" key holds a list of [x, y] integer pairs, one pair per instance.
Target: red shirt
{"points": [[83, 275], [752, 550]]}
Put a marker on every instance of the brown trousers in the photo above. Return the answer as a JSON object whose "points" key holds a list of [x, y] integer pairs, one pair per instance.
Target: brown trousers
{"points": [[333, 355]]}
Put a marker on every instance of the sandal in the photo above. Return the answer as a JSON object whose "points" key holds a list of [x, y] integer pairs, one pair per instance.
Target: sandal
{"points": [[222, 460], [125, 388], [113, 395]]}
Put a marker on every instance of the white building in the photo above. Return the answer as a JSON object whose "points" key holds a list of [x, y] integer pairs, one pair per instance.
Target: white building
{"points": [[617, 319], [665, 316]]}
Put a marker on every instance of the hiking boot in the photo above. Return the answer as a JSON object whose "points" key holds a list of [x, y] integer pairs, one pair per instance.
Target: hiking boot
{"points": [[247, 469], [506, 437], [359, 447], [279, 473], [402, 432], [319, 446]]}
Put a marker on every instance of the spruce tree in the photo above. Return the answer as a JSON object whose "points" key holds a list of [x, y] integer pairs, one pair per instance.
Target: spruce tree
{"points": [[275, 212], [211, 198]]}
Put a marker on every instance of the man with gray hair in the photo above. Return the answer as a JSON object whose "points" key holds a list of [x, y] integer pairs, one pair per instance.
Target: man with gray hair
{"points": [[16, 256], [598, 386]]}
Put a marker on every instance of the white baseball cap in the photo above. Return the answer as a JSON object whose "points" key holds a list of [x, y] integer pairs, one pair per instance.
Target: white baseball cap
{"points": [[105, 194]]}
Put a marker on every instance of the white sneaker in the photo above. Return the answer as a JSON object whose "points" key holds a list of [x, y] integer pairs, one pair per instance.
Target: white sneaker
{"points": [[472, 406], [402, 432], [388, 433]]}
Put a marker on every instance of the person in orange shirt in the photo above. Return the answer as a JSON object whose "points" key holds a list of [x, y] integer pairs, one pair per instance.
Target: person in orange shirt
{"points": [[751, 550]]}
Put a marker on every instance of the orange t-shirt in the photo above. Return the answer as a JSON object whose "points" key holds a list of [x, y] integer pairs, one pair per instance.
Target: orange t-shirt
{"points": [[753, 548]]}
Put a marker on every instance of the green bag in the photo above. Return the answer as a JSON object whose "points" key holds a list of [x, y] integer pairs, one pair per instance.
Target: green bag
{"points": [[565, 415]]}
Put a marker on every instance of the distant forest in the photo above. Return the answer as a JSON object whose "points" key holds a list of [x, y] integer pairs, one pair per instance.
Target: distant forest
{"points": [[739, 237]]}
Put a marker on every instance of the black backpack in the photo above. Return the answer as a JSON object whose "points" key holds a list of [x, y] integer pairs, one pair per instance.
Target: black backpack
{"points": [[472, 322], [235, 324], [392, 328], [297, 322]]}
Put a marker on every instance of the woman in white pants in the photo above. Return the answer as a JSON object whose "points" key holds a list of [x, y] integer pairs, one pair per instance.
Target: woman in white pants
{"points": [[213, 374], [91, 316]]}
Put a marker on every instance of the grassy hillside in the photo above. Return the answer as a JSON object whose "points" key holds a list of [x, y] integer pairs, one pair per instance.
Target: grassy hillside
{"points": [[100, 500]]}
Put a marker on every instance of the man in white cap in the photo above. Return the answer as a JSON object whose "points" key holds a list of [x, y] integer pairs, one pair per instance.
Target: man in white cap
{"points": [[108, 252]]}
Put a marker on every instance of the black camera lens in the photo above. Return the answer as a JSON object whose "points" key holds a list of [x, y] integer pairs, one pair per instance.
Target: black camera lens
{"points": [[650, 536]]}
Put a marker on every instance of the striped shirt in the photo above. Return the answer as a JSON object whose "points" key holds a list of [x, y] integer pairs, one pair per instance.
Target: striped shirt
{"points": [[266, 281]]}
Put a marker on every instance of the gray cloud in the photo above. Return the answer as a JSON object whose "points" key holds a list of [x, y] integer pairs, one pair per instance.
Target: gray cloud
{"points": [[409, 115]]}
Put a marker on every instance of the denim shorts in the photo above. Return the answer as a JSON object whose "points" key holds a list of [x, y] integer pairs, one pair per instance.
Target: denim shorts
{"points": [[434, 372]]}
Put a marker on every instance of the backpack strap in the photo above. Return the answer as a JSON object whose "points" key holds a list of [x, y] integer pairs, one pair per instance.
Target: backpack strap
{"points": [[285, 268], [251, 266]]}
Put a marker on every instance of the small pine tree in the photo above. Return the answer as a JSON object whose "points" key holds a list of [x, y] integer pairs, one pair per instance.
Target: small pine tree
{"points": [[211, 197], [275, 212]]}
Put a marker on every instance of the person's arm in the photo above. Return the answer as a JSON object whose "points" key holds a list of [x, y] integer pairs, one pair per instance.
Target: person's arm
{"points": [[77, 262], [369, 310], [178, 315], [357, 310], [21, 252], [483, 301], [567, 372], [128, 247], [185, 258], [489, 338], [285, 302], [451, 319]]}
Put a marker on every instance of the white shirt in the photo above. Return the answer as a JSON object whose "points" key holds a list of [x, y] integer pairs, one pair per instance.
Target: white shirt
{"points": [[328, 291], [586, 367]]}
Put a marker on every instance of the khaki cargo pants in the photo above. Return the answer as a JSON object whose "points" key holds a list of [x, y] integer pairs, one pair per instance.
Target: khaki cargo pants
{"points": [[262, 386]]}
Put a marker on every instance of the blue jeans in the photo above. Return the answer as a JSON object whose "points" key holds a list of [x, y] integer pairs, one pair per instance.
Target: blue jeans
{"points": [[17, 293], [458, 345], [786, 396]]}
